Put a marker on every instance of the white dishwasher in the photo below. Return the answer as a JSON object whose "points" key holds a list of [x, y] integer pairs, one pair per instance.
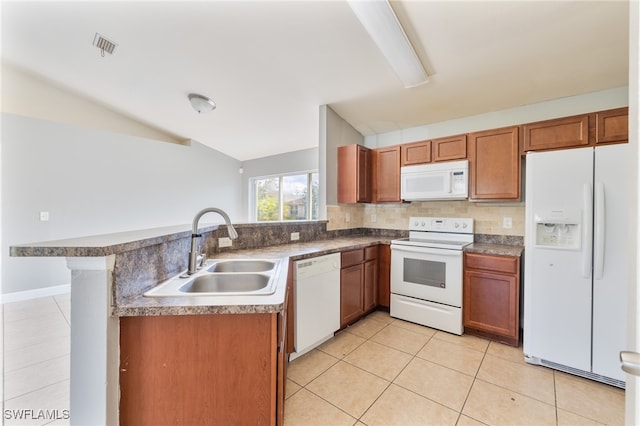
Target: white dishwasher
{"points": [[317, 301]]}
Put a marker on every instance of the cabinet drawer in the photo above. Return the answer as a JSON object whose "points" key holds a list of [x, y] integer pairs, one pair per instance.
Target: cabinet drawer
{"points": [[352, 257], [371, 253], [505, 264]]}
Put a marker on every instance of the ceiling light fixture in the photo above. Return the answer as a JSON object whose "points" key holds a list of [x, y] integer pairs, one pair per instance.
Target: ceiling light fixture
{"points": [[201, 103], [383, 26]]}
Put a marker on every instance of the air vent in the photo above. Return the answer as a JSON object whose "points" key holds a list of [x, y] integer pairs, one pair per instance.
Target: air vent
{"points": [[104, 44]]}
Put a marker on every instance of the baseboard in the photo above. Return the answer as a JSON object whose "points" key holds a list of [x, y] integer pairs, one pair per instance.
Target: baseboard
{"points": [[19, 296]]}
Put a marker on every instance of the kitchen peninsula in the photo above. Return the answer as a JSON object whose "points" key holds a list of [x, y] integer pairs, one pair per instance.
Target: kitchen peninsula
{"points": [[110, 273]]}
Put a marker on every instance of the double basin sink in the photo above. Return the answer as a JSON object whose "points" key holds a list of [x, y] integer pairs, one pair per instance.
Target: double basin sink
{"points": [[223, 277]]}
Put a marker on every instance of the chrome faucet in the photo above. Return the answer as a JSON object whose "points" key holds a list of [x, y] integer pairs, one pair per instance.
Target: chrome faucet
{"points": [[193, 254]]}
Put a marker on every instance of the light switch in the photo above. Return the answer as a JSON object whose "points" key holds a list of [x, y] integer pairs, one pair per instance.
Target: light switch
{"points": [[44, 216]]}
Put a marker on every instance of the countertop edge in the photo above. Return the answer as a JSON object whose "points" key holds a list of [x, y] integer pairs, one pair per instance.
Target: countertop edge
{"points": [[495, 249]]}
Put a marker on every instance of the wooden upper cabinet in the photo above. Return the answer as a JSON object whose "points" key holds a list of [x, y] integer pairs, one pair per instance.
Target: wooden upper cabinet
{"points": [[416, 153], [567, 132], [441, 149], [494, 165], [386, 175], [451, 148], [354, 174], [612, 126]]}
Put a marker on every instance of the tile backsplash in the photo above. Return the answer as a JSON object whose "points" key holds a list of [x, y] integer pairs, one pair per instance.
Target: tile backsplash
{"points": [[488, 217]]}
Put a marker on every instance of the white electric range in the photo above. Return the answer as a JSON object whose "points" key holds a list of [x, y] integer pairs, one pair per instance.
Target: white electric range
{"points": [[426, 272]]}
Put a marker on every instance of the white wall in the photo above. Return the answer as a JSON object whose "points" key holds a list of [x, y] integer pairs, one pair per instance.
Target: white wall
{"points": [[305, 160], [335, 132], [94, 182], [632, 408]]}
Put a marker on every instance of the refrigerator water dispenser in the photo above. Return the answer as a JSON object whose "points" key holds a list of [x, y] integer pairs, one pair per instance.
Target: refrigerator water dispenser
{"points": [[558, 235]]}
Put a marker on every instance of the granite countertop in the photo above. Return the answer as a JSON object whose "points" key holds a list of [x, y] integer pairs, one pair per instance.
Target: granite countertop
{"points": [[148, 306], [105, 244], [495, 249]]}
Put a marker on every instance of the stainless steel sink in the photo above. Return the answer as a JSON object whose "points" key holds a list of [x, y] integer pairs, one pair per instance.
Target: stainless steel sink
{"points": [[226, 283], [242, 265], [223, 277]]}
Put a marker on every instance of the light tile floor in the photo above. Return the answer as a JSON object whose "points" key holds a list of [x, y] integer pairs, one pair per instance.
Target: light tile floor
{"points": [[384, 371], [380, 371], [36, 340]]}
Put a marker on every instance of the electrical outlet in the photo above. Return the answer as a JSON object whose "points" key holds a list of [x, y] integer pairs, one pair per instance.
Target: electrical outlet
{"points": [[295, 236], [44, 216], [507, 222], [224, 242], [374, 218], [347, 217]]}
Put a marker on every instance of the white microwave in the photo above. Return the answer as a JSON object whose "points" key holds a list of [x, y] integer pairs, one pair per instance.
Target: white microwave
{"points": [[437, 181]]}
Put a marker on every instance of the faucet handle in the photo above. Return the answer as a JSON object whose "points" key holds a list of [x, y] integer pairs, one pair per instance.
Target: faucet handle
{"points": [[201, 259]]}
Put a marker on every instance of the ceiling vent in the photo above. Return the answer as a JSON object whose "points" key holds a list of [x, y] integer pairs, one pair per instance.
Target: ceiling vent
{"points": [[105, 45]]}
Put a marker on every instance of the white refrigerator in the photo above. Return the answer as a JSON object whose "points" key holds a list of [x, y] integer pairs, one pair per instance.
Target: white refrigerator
{"points": [[576, 260]]}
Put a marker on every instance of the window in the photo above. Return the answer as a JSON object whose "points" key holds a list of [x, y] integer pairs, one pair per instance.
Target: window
{"points": [[286, 197]]}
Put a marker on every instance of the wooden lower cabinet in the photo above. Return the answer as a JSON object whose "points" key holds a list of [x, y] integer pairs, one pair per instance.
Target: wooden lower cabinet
{"points": [[491, 297], [351, 294], [370, 269], [202, 369], [358, 283], [384, 276]]}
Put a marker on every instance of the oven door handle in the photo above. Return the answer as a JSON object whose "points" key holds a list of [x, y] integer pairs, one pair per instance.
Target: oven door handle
{"points": [[425, 250]]}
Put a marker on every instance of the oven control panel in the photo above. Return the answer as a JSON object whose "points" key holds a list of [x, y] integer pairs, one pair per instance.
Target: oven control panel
{"points": [[441, 224]]}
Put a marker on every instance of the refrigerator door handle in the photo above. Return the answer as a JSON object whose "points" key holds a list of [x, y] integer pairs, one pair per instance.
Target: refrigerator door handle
{"points": [[587, 198], [630, 362], [599, 230]]}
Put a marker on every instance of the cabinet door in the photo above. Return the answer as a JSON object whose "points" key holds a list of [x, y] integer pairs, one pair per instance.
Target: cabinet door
{"points": [[351, 294], [416, 153], [491, 303], [384, 275], [564, 132], [494, 165], [354, 174], [612, 126], [387, 174], [370, 285], [451, 148]]}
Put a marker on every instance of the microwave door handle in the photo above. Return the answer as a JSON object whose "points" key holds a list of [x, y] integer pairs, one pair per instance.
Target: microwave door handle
{"points": [[447, 184]]}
